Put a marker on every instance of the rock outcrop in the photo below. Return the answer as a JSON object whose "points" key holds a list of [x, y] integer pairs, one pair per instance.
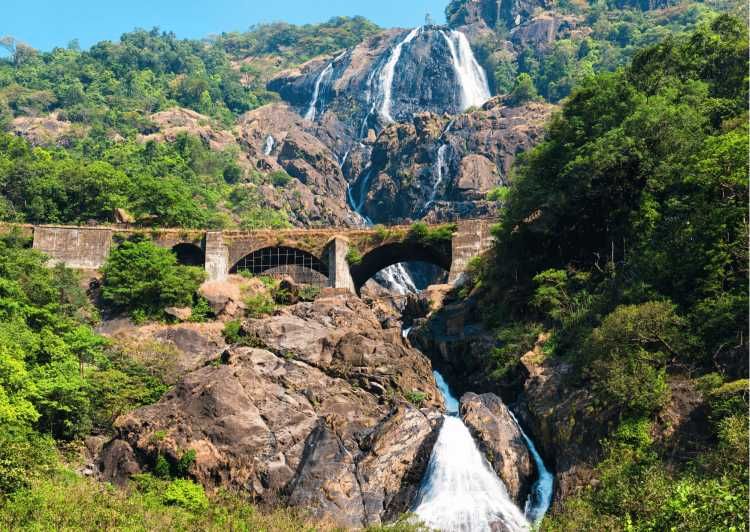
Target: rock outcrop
{"points": [[501, 441], [276, 138], [46, 130], [314, 416], [443, 167], [167, 125]]}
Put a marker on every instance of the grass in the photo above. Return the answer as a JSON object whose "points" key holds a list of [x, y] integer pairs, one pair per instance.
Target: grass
{"points": [[67, 502]]}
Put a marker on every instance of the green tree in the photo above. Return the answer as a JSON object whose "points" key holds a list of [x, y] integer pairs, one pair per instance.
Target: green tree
{"points": [[141, 276], [523, 90]]}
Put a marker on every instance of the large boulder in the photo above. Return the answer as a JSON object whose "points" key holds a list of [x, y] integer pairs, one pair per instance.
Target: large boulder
{"points": [[499, 437], [314, 416]]}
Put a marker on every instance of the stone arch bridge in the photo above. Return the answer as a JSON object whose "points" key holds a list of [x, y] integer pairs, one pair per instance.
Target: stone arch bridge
{"points": [[336, 257]]}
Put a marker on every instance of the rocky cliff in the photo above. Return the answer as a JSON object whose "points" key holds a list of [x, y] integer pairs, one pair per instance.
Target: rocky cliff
{"points": [[442, 167], [312, 415]]}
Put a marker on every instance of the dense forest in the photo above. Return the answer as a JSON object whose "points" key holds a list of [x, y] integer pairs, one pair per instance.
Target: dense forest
{"points": [[625, 235]]}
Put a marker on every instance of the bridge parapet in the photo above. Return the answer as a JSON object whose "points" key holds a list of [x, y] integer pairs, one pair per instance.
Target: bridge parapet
{"points": [[347, 256]]}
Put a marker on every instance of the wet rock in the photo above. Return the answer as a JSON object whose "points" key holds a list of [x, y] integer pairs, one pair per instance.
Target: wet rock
{"points": [[416, 173], [501, 440]]}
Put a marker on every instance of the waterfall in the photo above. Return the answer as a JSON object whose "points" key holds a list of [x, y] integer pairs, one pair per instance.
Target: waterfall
{"points": [[312, 109], [438, 172], [471, 76], [540, 497], [460, 491], [387, 73], [268, 145]]}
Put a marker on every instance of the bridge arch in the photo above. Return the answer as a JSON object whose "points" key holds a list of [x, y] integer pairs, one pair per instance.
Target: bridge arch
{"points": [[395, 252], [300, 265], [189, 254]]}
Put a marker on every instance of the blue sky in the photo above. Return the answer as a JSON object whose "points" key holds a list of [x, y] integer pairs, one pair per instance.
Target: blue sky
{"points": [[45, 24]]}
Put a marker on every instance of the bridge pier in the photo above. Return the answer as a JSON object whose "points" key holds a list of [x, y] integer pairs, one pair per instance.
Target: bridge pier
{"points": [[339, 275], [216, 256], [472, 238]]}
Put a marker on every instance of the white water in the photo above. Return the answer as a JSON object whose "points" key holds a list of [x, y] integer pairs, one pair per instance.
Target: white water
{"points": [[312, 109], [471, 76], [438, 173], [540, 497], [460, 492], [389, 70], [268, 146]]}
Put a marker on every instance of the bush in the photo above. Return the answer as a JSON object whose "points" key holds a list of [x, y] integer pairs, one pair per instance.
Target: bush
{"points": [[201, 311], [24, 457], [232, 331], [421, 232], [142, 278], [280, 178], [185, 463], [259, 305], [523, 90], [353, 256], [186, 494], [416, 397]]}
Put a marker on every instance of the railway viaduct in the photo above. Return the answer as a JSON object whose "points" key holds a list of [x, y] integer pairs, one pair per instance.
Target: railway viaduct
{"points": [[335, 257]]}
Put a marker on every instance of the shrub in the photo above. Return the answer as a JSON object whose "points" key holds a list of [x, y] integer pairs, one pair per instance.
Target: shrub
{"points": [[258, 305], [185, 462], [143, 278], [186, 494], [421, 232], [232, 331], [162, 469], [353, 256], [280, 178], [24, 457], [309, 292], [416, 397], [201, 311]]}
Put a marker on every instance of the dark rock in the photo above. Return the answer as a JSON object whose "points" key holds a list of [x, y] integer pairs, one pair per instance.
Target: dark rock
{"points": [[501, 440]]}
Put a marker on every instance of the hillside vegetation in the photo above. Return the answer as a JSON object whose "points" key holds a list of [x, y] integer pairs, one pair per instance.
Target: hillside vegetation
{"points": [[625, 234]]}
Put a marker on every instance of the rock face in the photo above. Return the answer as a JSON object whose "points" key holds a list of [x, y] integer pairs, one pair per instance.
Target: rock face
{"points": [[275, 137], [501, 441], [357, 83], [443, 167], [491, 14], [314, 416]]}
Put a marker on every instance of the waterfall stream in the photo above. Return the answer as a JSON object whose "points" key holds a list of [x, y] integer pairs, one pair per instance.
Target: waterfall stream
{"points": [[386, 75], [540, 497], [312, 109], [472, 81], [460, 492], [471, 76], [438, 172], [268, 145]]}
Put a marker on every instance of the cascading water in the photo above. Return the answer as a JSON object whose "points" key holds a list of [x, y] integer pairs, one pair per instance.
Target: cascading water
{"points": [[471, 76], [268, 145], [474, 92], [460, 492], [386, 75], [439, 165], [312, 109], [540, 497]]}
